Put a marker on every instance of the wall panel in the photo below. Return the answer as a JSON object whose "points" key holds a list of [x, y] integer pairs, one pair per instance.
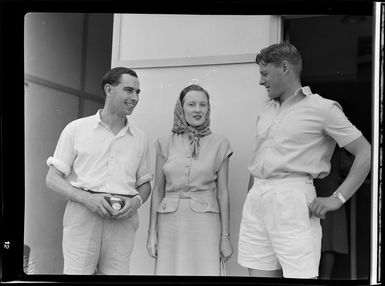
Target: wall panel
{"points": [[53, 44], [236, 98], [46, 112]]}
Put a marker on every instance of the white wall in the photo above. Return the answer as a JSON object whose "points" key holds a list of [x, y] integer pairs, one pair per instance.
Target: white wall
{"points": [[236, 98]]}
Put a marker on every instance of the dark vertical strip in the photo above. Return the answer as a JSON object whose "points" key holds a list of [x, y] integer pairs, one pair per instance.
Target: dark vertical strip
{"points": [[286, 29], [83, 65], [380, 257]]}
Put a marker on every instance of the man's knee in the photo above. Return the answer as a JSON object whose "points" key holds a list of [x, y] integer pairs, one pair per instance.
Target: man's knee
{"points": [[265, 273]]}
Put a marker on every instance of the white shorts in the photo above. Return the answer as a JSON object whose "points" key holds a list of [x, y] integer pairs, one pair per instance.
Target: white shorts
{"points": [[93, 244], [276, 230]]}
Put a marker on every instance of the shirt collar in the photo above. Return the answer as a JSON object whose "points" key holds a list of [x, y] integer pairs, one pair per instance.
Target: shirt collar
{"points": [[98, 120], [303, 91]]}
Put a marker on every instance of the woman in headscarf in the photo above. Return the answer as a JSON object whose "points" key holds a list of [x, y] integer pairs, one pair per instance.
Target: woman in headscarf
{"points": [[190, 209]]}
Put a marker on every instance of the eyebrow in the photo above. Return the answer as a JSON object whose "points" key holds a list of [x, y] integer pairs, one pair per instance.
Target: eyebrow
{"points": [[131, 88]]}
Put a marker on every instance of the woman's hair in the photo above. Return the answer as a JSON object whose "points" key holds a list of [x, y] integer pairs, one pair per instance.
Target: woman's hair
{"points": [[278, 53], [192, 87], [114, 75]]}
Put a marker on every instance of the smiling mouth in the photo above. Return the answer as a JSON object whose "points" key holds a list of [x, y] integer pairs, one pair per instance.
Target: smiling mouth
{"points": [[197, 117], [130, 105]]}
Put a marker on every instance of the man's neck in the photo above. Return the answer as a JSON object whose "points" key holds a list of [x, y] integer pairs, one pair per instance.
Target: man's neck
{"points": [[114, 121], [289, 92]]}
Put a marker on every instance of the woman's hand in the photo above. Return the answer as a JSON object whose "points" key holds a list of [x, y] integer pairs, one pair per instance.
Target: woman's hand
{"points": [[152, 244], [226, 248]]}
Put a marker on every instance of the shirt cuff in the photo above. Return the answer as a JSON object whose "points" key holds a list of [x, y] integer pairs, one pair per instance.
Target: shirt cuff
{"points": [[142, 180], [350, 139], [58, 164]]}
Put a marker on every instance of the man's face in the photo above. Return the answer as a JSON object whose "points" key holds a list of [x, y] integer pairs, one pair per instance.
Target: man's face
{"points": [[272, 79], [125, 95]]}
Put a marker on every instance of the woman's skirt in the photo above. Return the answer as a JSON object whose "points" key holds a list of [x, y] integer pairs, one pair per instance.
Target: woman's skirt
{"points": [[188, 242]]}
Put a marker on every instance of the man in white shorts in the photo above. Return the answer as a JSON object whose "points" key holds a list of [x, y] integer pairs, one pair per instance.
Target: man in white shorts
{"points": [[98, 158], [280, 232]]}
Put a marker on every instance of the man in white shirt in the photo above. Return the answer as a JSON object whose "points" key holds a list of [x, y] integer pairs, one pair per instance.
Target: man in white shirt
{"points": [[280, 231], [97, 158]]}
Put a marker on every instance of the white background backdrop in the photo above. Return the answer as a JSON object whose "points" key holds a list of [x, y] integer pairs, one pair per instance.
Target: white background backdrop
{"points": [[235, 95]]}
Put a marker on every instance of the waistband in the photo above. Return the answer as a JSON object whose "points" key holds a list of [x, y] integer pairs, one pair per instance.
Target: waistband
{"points": [[112, 194], [189, 195], [290, 179]]}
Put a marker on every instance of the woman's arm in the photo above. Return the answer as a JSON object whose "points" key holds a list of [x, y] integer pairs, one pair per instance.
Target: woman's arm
{"points": [[156, 197], [224, 208]]}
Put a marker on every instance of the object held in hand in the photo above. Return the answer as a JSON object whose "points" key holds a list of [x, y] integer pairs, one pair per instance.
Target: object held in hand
{"points": [[116, 203]]}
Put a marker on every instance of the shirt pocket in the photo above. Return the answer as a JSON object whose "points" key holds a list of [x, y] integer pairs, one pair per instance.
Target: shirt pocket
{"points": [[168, 205], [203, 205]]}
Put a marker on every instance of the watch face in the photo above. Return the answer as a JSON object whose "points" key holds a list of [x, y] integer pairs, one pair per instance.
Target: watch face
{"points": [[339, 196]]}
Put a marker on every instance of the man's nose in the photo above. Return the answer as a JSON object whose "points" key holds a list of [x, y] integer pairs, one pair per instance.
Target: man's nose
{"points": [[261, 81], [134, 96]]}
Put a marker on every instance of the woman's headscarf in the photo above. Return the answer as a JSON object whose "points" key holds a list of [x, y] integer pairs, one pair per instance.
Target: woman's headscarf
{"points": [[181, 125]]}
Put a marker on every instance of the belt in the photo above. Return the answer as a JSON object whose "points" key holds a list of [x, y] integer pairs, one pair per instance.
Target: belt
{"points": [[296, 178], [112, 194], [181, 195], [189, 194]]}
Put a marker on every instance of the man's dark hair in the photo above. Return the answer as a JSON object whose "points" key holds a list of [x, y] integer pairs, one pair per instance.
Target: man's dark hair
{"points": [[277, 53], [114, 75]]}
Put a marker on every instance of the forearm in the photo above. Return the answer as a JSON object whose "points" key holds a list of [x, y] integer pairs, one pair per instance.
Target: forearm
{"points": [[144, 191], [358, 172], [57, 183], [224, 209], [156, 198]]}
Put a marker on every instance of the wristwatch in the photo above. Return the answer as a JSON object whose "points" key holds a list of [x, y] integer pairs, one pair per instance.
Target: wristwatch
{"points": [[338, 195]]}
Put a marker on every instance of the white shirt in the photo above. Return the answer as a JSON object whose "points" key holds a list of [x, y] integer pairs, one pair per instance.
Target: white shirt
{"points": [[93, 158], [299, 136]]}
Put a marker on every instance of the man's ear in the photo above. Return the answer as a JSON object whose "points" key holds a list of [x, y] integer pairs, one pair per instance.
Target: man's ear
{"points": [[107, 89], [285, 67]]}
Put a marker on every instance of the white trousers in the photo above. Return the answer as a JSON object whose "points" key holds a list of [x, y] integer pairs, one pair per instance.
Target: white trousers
{"points": [[94, 244]]}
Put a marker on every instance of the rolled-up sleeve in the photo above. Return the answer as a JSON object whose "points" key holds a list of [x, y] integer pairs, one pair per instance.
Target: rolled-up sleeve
{"points": [[143, 174], [64, 154]]}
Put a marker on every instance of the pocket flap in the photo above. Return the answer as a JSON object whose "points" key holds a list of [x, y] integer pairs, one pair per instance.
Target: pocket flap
{"points": [[207, 204], [168, 205]]}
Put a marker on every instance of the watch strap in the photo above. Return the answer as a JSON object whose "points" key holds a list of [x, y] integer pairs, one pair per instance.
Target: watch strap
{"points": [[338, 195]]}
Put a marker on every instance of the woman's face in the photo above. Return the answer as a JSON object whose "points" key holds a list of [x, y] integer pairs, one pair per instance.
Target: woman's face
{"points": [[195, 107]]}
